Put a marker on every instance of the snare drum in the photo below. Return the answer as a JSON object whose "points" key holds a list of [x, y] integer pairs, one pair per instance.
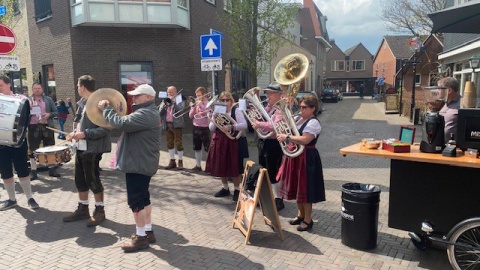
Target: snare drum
{"points": [[14, 117], [52, 155]]}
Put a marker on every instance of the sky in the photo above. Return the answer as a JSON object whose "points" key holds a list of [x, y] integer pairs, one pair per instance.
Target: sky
{"points": [[354, 21]]}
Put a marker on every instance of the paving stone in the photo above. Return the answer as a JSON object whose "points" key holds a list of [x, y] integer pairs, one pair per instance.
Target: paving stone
{"points": [[193, 228]]}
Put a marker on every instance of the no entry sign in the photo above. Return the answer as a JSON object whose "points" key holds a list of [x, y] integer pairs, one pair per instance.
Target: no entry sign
{"points": [[8, 40]]}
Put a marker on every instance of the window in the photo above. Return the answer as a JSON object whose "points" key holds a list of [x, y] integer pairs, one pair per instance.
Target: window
{"points": [[338, 65], [132, 74], [43, 10], [358, 65], [182, 3], [49, 83], [211, 1], [16, 8], [417, 80]]}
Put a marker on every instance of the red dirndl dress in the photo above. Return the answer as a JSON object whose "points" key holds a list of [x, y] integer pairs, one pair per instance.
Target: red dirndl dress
{"points": [[222, 158], [301, 178]]}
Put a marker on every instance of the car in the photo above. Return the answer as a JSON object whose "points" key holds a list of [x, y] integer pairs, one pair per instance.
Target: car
{"points": [[340, 95], [303, 93], [330, 94]]}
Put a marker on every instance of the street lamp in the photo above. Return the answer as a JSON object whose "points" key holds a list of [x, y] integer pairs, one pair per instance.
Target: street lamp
{"points": [[474, 62], [412, 103]]}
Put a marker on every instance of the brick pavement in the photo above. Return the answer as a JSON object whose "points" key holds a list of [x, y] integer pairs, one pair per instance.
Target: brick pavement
{"points": [[193, 228]]}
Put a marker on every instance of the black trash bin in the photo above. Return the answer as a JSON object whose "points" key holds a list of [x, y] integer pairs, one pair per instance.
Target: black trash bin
{"points": [[360, 215]]}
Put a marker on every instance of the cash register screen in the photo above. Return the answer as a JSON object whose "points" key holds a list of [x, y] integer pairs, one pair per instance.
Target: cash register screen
{"points": [[468, 129]]}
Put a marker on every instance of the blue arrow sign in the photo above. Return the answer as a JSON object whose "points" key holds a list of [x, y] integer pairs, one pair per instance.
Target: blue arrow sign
{"points": [[215, 32], [3, 10], [210, 46]]}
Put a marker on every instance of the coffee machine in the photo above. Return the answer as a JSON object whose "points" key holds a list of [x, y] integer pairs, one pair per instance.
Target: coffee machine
{"points": [[433, 138]]}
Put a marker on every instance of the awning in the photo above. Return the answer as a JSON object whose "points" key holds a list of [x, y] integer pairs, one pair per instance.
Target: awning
{"points": [[464, 18]]}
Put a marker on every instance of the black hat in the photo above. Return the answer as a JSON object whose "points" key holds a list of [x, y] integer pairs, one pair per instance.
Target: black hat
{"points": [[274, 86]]}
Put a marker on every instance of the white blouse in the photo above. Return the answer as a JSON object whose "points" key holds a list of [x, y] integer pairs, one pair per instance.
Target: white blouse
{"points": [[313, 127]]}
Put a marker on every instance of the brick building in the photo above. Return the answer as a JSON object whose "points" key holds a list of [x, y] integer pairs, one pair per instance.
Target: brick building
{"points": [[348, 70]]}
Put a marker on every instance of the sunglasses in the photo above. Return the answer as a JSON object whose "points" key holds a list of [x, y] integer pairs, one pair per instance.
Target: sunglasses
{"points": [[225, 100], [304, 107]]}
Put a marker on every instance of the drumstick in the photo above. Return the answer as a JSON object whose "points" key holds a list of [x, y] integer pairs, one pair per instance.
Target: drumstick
{"points": [[62, 142], [59, 131]]}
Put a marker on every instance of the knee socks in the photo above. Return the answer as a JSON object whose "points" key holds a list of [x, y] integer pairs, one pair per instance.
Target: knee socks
{"points": [[180, 155], [33, 164], [171, 152], [10, 187], [27, 188], [198, 158]]}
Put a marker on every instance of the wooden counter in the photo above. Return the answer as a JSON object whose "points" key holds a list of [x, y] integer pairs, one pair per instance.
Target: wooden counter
{"points": [[423, 186], [414, 155]]}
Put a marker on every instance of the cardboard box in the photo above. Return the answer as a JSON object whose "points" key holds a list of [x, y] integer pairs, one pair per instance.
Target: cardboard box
{"points": [[395, 148]]}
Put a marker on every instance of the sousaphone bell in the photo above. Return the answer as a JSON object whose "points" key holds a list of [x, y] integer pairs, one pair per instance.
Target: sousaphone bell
{"points": [[116, 100]]}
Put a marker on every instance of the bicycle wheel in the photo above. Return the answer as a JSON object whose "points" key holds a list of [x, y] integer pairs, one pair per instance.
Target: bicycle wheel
{"points": [[466, 255]]}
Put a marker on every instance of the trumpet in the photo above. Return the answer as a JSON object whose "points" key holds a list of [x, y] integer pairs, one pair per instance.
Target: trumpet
{"points": [[256, 112], [191, 103], [209, 108]]}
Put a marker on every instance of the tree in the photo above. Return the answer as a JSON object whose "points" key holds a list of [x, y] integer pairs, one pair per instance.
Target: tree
{"points": [[410, 16], [8, 17], [257, 29]]}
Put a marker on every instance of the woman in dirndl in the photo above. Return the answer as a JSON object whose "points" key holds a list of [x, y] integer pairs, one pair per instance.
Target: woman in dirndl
{"points": [[225, 155], [301, 177]]}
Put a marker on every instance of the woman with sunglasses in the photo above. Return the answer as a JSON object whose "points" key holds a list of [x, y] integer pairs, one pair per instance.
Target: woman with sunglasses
{"points": [[301, 177], [225, 156]]}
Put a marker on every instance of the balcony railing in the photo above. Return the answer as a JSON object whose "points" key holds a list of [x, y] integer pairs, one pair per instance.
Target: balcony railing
{"points": [[131, 13]]}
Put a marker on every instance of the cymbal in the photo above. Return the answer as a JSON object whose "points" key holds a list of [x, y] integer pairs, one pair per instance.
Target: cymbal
{"points": [[116, 99]]}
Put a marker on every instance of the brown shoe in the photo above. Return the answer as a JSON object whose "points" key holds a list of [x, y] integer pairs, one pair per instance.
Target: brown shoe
{"points": [[180, 164], [171, 165], [80, 213], [150, 236], [97, 217], [136, 243], [196, 169]]}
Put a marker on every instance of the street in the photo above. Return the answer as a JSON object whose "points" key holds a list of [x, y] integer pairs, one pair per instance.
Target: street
{"points": [[194, 229]]}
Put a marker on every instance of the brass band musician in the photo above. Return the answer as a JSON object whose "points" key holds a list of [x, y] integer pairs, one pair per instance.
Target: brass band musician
{"points": [[173, 128], [269, 150], [226, 154], [301, 177], [201, 133]]}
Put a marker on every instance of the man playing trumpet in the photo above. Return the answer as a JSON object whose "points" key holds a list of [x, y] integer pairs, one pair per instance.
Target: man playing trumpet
{"points": [[201, 133], [269, 151], [173, 128]]}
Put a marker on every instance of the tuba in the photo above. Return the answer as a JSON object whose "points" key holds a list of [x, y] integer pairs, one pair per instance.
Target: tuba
{"points": [[289, 71], [256, 112]]}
